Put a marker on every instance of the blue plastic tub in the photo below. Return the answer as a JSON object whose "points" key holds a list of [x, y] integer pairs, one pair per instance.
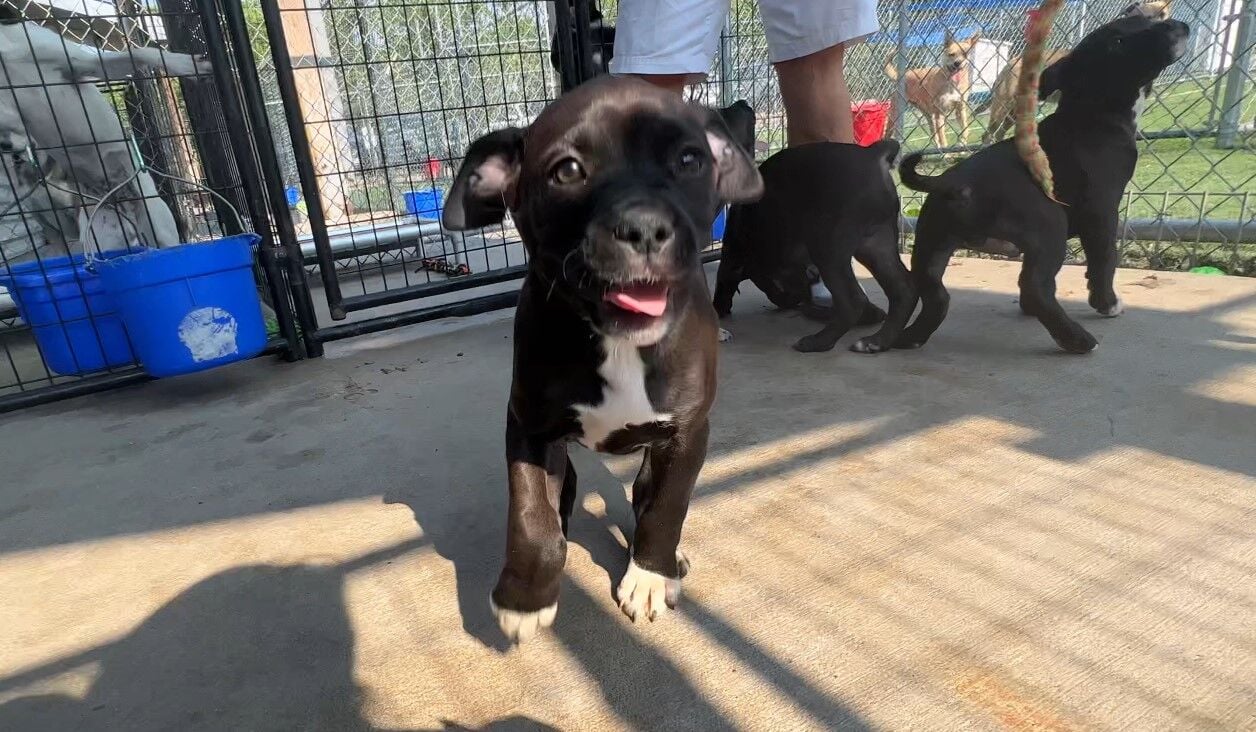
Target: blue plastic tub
{"points": [[191, 307], [717, 228], [425, 204], [73, 319]]}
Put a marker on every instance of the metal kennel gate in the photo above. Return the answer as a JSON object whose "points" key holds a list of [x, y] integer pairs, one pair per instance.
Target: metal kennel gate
{"points": [[378, 100]]}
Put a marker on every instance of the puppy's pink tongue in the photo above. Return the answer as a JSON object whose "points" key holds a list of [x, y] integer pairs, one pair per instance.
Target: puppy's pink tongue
{"points": [[645, 299]]}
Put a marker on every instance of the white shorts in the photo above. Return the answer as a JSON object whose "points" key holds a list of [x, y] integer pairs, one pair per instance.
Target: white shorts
{"points": [[683, 36]]}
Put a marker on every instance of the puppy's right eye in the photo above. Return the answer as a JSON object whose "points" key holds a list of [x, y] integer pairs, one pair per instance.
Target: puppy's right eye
{"points": [[567, 171]]}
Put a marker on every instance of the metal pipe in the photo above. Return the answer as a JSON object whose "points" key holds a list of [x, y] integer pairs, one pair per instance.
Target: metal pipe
{"points": [[474, 306], [95, 384], [726, 60], [428, 289], [1236, 78], [900, 66], [1198, 230], [286, 81]]}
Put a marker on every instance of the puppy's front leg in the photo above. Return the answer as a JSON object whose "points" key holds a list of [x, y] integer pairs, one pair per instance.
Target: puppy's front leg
{"points": [[526, 597], [660, 500], [1098, 235]]}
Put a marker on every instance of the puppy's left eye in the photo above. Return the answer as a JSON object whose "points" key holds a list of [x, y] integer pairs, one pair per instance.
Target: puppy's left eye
{"points": [[567, 172], [689, 162]]}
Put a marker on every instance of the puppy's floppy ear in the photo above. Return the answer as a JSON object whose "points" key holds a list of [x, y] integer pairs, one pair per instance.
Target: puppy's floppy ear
{"points": [[1052, 79], [739, 118], [737, 179], [485, 185]]}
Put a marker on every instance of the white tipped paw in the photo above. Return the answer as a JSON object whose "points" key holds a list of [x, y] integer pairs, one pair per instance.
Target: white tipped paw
{"points": [[725, 336], [1115, 310], [646, 594], [518, 626]]}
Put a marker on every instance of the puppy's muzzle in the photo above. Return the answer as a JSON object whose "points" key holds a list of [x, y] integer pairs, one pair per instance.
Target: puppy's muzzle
{"points": [[634, 242], [1178, 33], [644, 230]]}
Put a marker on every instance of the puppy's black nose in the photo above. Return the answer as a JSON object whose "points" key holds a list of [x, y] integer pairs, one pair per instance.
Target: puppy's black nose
{"points": [[645, 230]]}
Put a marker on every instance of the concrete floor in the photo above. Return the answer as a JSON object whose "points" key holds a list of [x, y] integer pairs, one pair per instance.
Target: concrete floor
{"points": [[982, 534]]}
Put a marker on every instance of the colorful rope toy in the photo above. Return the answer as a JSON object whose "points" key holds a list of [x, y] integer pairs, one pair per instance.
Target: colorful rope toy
{"points": [[1027, 143]]}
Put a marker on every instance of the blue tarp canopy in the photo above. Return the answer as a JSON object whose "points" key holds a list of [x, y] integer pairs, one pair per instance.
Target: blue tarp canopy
{"points": [[961, 17]]}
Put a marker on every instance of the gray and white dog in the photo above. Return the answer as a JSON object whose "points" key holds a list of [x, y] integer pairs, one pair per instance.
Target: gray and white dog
{"points": [[50, 104]]}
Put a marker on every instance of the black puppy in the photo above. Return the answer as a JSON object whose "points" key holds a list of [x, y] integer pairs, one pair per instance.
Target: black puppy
{"points": [[601, 37], [1090, 141], [824, 204], [613, 189]]}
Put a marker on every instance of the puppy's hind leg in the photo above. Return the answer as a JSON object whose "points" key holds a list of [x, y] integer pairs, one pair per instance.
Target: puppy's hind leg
{"points": [[727, 278], [929, 259], [1042, 264], [840, 279], [887, 267], [567, 498]]}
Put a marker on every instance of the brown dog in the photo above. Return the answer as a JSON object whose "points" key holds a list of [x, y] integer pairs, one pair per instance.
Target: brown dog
{"points": [[1003, 93], [940, 91]]}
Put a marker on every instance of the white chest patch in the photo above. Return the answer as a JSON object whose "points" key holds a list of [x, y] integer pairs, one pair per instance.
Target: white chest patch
{"points": [[624, 400]]}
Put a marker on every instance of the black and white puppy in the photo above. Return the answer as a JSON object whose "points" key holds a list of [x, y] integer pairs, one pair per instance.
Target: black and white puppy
{"points": [[613, 189], [824, 204], [989, 202]]}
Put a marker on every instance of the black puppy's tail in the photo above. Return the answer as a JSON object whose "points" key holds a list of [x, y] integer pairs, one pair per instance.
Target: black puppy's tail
{"points": [[887, 150], [923, 183]]}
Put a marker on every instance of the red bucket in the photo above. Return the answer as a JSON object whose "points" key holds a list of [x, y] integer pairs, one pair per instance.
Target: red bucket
{"points": [[871, 116]]}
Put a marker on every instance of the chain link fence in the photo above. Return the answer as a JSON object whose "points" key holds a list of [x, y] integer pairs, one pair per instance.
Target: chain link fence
{"points": [[1191, 201]]}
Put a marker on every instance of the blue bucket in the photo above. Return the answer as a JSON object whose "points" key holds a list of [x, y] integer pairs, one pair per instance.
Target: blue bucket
{"points": [[425, 204], [191, 307], [73, 318], [717, 228], [292, 195]]}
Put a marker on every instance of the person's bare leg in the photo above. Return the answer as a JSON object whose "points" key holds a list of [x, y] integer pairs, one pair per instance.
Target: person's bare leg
{"points": [[671, 82], [817, 100]]}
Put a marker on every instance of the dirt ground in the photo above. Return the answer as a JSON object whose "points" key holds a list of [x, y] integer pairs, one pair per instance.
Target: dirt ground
{"points": [[983, 534]]}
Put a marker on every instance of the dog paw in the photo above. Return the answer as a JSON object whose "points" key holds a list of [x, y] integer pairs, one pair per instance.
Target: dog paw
{"points": [[646, 594], [868, 345], [520, 626], [814, 343], [1080, 342], [725, 336], [1113, 310]]}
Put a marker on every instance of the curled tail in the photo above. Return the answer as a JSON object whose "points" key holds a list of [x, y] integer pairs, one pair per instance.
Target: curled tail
{"points": [[922, 183]]}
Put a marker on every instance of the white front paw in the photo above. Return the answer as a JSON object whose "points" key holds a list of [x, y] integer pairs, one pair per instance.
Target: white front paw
{"points": [[646, 594], [519, 627], [1113, 311], [725, 336]]}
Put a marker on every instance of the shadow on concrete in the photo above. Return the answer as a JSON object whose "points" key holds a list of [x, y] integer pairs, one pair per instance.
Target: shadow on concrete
{"points": [[356, 429], [254, 647]]}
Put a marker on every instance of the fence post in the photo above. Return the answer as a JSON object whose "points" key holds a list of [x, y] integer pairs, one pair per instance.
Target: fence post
{"points": [[900, 65], [1236, 78], [726, 61]]}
